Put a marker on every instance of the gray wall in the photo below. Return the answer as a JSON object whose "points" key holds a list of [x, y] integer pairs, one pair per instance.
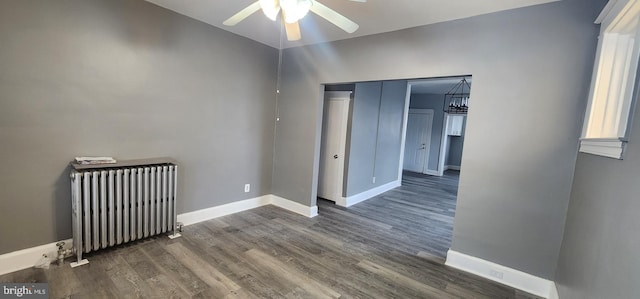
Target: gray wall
{"points": [[131, 80], [387, 163], [599, 256], [361, 138], [454, 156], [375, 135], [435, 102], [512, 215], [456, 143]]}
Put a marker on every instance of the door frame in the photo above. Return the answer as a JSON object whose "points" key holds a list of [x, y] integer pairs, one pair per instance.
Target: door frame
{"points": [[425, 165], [407, 102], [345, 96], [443, 144]]}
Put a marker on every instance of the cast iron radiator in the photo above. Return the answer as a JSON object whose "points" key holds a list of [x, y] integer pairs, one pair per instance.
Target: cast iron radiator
{"points": [[118, 203]]}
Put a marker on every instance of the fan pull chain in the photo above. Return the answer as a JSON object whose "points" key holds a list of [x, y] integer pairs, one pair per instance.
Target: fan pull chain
{"points": [[279, 75]]}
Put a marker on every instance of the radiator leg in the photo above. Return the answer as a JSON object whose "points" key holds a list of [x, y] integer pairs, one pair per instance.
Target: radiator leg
{"points": [[76, 204], [176, 234], [176, 228], [80, 261]]}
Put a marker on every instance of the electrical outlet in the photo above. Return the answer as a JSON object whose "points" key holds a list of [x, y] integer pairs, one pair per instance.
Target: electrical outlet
{"points": [[374, 180], [247, 187], [496, 274]]}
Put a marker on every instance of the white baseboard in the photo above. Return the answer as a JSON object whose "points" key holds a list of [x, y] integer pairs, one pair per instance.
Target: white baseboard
{"points": [[26, 258], [554, 292], [223, 210], [360, 197], [452, 167], [505, 275], [247, 204], [294, 206]]}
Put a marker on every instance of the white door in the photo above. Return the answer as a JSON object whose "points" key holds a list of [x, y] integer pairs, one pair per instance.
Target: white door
{"points": [[332, 148], [418, 140]]}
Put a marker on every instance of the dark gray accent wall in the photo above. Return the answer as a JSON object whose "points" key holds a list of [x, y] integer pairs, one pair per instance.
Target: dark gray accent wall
{"points": [[539, 56], [599, 256], [456, 144], [362, 138], [394, 96], [435, 102], [127, 79], [454, 157], [375, 135]]}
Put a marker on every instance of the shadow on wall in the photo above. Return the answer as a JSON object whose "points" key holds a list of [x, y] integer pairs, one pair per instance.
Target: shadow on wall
{"points": [[62, 205]]}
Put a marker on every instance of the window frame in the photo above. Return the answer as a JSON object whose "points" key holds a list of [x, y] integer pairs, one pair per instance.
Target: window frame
{"points": [[614, 81]]}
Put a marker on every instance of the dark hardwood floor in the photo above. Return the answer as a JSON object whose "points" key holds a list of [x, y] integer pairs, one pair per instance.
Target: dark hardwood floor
{"points": [[391, 246]]}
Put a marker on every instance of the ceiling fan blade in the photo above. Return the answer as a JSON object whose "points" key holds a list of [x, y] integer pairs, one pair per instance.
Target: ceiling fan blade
{"points": [[293, 31], [243, 14], [361, 1], [334, 17]]}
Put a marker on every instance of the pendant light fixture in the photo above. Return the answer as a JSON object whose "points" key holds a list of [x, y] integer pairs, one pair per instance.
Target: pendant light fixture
{"points": [[456, 101]]}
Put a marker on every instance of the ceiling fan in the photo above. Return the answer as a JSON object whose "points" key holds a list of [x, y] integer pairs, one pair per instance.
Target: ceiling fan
{"points": [[291, 12]]}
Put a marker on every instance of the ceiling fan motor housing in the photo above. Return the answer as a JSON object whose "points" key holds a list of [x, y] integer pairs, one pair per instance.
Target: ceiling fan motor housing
{"points": [[292, 10]]}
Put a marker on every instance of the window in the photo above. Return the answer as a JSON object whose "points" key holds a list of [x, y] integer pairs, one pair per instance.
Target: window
{"points": [[613, 84]]}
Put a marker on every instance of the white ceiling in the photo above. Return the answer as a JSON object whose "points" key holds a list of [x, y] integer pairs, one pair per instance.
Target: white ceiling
{"points": [[374, 16]]}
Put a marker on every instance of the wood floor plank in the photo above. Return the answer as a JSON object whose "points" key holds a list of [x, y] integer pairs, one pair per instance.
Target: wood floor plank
{"points": [[461, 292], [173, 269], [138, 261], [260, 281], [126, 280], [285, 272], [221, 284], [349, 281], [431, 257], [167, 287], [345, 216], [420, 288], [64, 280], [94, 281], [241, 294]]}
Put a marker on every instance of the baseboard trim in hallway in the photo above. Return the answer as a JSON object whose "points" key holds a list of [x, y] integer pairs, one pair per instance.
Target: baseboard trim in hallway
{"points": [[505, 275], [293, 206], [360, 197]]}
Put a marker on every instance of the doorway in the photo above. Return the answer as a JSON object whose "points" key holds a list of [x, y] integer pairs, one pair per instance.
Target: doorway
{"points": [[395, 131], [333, 145], [418, 140], [440, 144]]}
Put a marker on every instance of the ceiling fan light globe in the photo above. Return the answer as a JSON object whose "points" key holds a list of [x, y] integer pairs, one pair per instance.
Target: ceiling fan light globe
{"points": [[294, 10], [270, 8], [303, 8]]}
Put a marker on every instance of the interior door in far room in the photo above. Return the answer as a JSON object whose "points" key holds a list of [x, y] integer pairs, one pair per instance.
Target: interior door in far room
{"points": [[418, 140], [332, 148]]}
